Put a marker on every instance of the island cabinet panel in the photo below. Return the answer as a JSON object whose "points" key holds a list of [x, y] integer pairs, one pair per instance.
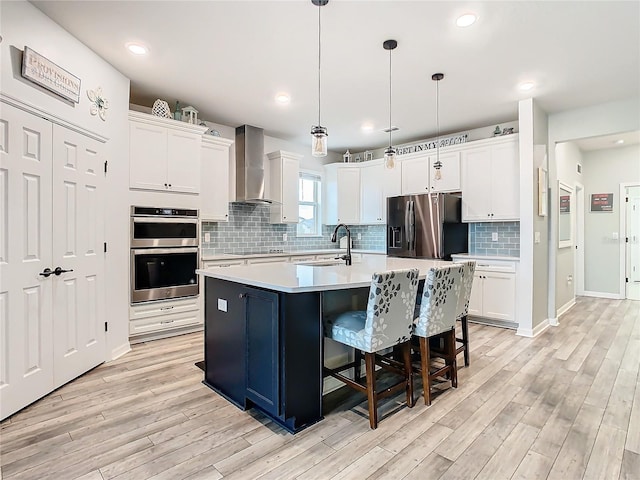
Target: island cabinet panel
{"points": [[263, 365], [263, 348], [224, 340]]}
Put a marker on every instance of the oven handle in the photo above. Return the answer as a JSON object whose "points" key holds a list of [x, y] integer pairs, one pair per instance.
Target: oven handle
{"points": [[164, 220], [162, 251]]}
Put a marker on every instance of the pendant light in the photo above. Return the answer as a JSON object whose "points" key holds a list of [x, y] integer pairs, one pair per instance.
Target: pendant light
{"points": [[390, 152], [436, 77], [318, 132]]}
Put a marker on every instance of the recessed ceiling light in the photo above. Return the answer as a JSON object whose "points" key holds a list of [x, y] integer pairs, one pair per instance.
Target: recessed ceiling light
{"points": [[466, 20], [283, 98], [367, 127], [526, 86], [137, 48], [619, 142]]}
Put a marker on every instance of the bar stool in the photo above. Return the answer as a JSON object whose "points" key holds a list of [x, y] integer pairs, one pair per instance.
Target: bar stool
{"points": [[437, 318], [387, 322], [468, 270]]}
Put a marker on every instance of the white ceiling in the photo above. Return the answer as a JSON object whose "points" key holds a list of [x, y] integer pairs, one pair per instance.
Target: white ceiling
{"points": [[229, 59]]}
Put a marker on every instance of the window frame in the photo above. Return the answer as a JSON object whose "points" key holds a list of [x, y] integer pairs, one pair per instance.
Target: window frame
{"points": [[317, 204]]}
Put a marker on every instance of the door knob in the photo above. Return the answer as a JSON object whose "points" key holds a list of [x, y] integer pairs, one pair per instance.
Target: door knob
{"points": [[46, 272], [60, 270]]}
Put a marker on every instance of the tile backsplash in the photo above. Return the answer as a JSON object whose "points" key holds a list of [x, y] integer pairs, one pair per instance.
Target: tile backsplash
{"points": [[249, 230], [508, 243]]}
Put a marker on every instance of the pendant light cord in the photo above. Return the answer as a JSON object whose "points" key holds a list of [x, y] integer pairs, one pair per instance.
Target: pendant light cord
{"points": [[319, 57], [389, 98], [438, 119]]}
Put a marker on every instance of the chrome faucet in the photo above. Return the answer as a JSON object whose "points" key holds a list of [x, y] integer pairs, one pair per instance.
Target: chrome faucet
{"points": [[334, 238]]}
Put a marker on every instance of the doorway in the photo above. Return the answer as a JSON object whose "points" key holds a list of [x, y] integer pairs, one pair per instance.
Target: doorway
{"points": [[630, 227]]}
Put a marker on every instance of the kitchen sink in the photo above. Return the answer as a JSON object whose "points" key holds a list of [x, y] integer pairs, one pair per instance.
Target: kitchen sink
{"points": [[324, 263]]}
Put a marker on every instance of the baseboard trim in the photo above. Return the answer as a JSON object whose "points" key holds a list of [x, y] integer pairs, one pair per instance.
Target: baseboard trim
{"points": [[566, 307], [535, 331], [119, 351], [554, 322], [612, 296]]}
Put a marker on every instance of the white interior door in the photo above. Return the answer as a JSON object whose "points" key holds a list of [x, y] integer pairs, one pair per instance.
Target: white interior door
{"points": [[78, 213], [633, 243], [26, 349]]}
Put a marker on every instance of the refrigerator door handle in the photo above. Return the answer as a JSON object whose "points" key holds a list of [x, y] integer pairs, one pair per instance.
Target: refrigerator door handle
{"points": [[411, 234]]}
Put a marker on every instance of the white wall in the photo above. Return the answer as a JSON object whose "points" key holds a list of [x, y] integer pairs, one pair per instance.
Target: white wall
{"points": [[24, 25], [603, 119], [603, 172]]}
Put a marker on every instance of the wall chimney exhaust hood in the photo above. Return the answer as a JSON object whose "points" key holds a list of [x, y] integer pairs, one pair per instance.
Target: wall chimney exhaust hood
{"points": [[250, 165]]}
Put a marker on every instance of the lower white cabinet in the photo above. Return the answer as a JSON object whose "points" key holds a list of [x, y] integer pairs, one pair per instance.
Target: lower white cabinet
{"points": [[493, 294], [159, 317], [222, 263]]}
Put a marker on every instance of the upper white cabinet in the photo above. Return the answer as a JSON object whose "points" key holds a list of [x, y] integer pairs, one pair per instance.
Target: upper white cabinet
{"points": [[376, 184], [431, 172], [164, 154], [341, 194], [214, 179], [284, 175], [490, 180]]}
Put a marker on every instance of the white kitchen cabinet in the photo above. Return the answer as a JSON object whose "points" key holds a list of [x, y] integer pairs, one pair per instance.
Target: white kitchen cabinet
{"points": [[214, 179], [284, 176], [164, 154], [376, 184], [223, 263], [490, 180], [419, 173], [341, 194], [159, 319]]}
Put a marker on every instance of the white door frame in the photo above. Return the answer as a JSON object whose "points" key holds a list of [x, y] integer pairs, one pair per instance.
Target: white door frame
{"points": [[622, 234], [578, 262]]}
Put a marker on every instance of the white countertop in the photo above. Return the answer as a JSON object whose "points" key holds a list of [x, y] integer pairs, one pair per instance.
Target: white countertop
{"points": [[292, 278], [337, 251], [472, 256]]}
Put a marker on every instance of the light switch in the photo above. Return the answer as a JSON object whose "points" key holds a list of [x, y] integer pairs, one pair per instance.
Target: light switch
{"points": [[222, 305], [494, 236], [614, 236], [536, 237]]}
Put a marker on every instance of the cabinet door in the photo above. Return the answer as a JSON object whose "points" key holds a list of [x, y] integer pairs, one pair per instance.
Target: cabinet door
{"points": [[475, 300], [290, 174], [183, 161], [214, 186], [415, 175], [262, 346], [505, 182], [476, 179], [447, 177], [372, 205], [148, 156], [499, 295], [348, 183]]}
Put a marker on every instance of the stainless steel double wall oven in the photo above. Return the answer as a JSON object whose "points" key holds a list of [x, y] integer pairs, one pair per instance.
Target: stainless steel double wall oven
{"points": [[164, 253]]}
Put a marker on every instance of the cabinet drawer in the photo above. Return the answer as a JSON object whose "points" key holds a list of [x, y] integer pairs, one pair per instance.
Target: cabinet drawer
{"points": [[164, 322], [152, 309], [256, 261], [221, 263]]}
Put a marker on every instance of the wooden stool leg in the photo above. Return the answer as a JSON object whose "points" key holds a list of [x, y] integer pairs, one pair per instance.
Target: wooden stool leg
{"points": [[358, 361], [453, 364], [465, 339], [370, 371], [406, 356], [424, 366]]}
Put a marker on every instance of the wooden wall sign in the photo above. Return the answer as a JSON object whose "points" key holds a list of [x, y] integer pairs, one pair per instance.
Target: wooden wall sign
{"points": [[44, 72]]}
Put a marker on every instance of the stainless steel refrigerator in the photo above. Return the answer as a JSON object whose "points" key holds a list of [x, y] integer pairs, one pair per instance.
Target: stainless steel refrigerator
{"points": [[426, 226]]}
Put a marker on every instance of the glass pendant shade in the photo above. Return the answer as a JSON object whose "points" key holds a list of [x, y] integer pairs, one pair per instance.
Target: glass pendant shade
{"points": [[319, 141], [390, 157]]}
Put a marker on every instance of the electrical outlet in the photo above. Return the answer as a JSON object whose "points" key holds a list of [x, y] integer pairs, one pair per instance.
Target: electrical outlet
{"points": [[207, 237], [494, 236], [284, 237], [359, 236]]}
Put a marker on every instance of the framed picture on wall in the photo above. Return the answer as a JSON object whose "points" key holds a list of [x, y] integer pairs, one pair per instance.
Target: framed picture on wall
{"points": [[542, 192]]}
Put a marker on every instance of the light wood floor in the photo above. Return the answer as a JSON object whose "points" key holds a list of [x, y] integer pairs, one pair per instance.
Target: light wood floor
{"points": [[565, 405]]}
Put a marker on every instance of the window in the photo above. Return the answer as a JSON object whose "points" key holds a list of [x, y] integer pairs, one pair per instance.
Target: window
{"points": [[309, 205]]}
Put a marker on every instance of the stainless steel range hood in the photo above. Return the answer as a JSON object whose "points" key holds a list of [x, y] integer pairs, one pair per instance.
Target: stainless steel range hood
{"points": [[250, 165]]}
